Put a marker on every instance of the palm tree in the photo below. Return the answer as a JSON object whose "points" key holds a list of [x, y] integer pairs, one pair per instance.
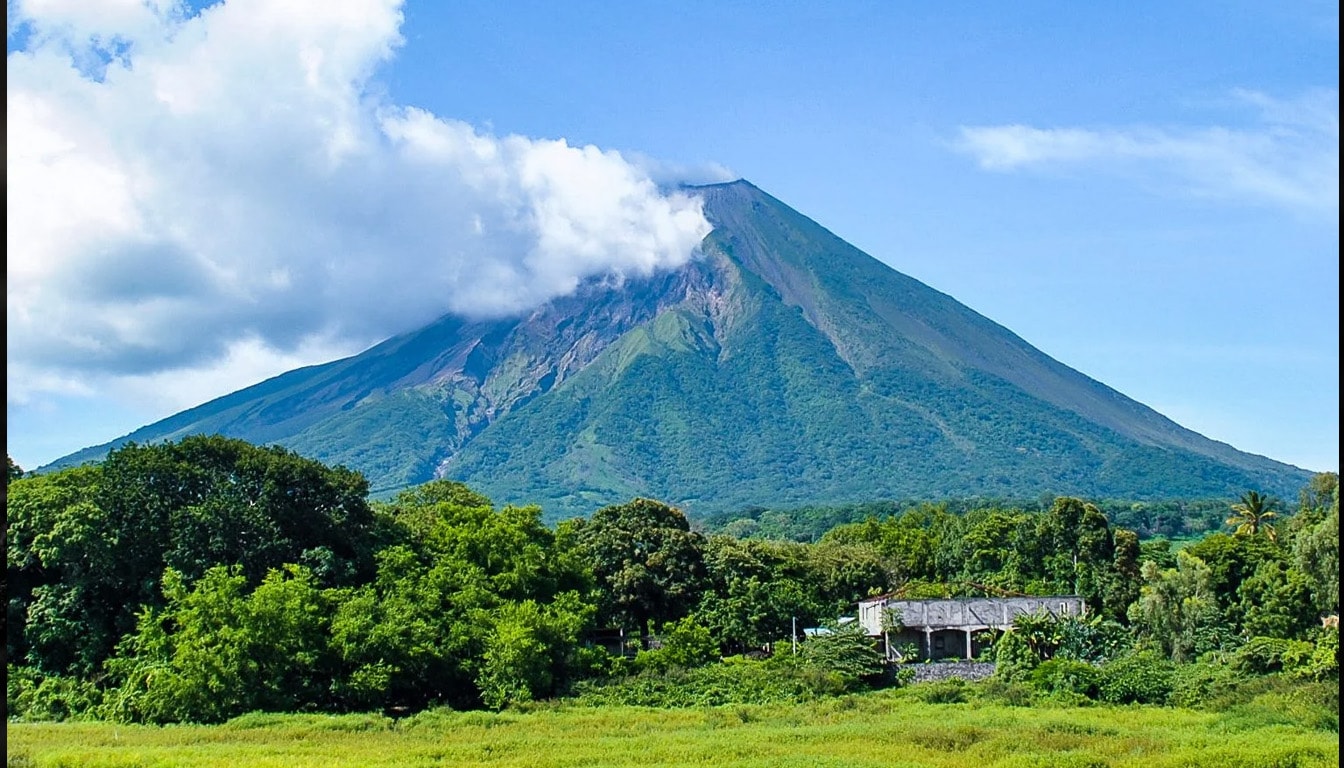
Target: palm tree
{"points": [[1252, 514]]}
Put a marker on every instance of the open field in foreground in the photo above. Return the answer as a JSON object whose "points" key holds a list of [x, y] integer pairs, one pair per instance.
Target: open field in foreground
{"points": [[890, 729]]}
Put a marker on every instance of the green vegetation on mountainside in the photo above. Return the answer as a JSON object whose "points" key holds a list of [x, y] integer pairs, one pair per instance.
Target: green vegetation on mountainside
{"points": [[721, 413], [783, 368]]}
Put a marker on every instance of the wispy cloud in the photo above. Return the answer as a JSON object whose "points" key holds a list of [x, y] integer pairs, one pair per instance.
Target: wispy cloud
{"points": [[1288, 154], [210, 197]]}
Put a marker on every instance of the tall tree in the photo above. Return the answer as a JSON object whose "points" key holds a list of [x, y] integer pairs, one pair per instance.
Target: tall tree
{"points": [[219, 649], [1316, 553], [1276, 601], [1231, 560], [1177, 609], [87, 547], [1079, 548], [1253, 515], [1320, 494], [647, 560], [998, 547], [472, 604], [1124, 577]]}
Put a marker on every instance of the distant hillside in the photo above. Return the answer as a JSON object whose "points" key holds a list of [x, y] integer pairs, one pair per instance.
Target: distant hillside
{"points": [[783, 368]]}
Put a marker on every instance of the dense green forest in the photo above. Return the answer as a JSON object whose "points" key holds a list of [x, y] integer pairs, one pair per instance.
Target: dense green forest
{"points": [[203, 579], [1175, 519]]}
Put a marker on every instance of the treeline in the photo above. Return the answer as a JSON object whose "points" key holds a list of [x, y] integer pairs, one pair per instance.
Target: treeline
{"points": [[1169, 519], [198, 580]]}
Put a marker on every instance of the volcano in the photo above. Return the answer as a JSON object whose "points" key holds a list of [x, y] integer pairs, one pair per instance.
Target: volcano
{"points": [[781, 367]]}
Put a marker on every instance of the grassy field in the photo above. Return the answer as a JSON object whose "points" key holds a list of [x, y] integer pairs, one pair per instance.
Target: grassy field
{"points": [[890, 729]]}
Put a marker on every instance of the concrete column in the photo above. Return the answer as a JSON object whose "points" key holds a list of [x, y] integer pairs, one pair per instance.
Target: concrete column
{"points": [[969, 655], [928, 642]]}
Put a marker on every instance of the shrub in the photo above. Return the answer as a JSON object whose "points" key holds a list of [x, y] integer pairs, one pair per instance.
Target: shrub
{"points": [[30, 695], [1210, 683], [744, 682], [901, 675], [735, 680], [845, 651], [1092, 639], [1322, 662], [684, 644], [950, 691], [1064, 676], [1263, 655], [1143, 677], [1280, 700], [1014, 657], [1000, 691]]}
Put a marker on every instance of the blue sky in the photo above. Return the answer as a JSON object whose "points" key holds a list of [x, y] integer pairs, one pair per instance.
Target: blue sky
{"points": [[1146, 191]]}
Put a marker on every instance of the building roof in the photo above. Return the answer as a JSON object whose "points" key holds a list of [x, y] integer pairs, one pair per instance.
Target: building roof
{"points": [[895, 597]]}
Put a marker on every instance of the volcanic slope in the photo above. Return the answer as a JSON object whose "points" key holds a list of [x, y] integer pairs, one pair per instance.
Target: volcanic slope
{"points": [[783, 367]]}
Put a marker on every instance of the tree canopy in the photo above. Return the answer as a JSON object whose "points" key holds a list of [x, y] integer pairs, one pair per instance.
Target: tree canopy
{"points": [[202, 579]]}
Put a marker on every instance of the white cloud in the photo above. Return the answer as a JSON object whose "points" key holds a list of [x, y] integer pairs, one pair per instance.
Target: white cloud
{"points": [[1288, 156], [199, 201], [672, 174], [245, 361]]}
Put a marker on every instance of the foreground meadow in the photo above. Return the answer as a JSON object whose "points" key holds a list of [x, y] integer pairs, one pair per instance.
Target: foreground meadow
{"points": [[890, 729]]}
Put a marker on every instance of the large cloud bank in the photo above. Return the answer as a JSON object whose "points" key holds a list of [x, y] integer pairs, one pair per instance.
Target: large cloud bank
{"points": [[207, 198]]}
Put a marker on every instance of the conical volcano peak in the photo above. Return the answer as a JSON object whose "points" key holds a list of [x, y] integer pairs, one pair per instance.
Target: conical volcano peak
{"points": [[729, 196], [719, 185], [739, 185], [784, 367]]}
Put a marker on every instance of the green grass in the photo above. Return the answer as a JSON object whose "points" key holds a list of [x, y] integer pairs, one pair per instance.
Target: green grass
{"points": [[889, 728]]}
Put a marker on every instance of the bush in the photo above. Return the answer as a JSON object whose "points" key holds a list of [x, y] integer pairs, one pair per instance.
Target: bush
{"points": [[735, 680], [901, 675], [685, 644], [1000, 691], [1263, 655], [1014, 657], [845, 651], [1143, 677], [1280, 700], [30, 695], [950, 691], [1065, 676], [1091, 639], [1322, 662], [1210, 683]]}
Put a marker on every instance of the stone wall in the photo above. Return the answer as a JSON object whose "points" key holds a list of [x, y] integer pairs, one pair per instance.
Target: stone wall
{"points": [[945, 670]]}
